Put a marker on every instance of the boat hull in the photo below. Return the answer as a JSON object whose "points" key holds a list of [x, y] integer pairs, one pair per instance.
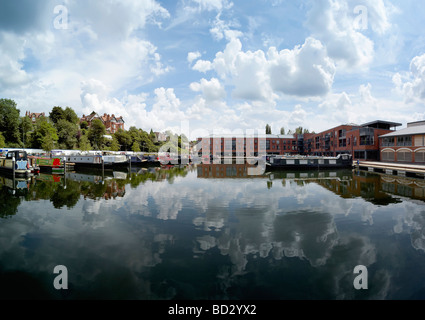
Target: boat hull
{"points": [[48, 165], [21, 167], [276, 163], [97, 161]]}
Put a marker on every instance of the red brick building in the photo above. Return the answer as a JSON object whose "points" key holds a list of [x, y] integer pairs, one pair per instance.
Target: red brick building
{"points": [[247, 145], [405, 145], [34, 116], [362, 141], [111, 122]]}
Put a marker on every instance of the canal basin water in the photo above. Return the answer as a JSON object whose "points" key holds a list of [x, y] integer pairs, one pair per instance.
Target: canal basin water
{"points": [[212, 232]]}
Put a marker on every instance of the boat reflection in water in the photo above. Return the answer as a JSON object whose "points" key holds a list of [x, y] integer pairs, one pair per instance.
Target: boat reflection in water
{"points": [[212, 232]]}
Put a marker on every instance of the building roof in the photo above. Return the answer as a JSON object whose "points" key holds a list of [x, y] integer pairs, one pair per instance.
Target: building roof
{"points": [[104, 118], [376, 123], [406, 131], [37, 115]]}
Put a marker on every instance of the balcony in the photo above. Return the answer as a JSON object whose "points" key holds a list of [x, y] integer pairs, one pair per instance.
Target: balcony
{"points": [[366, 132]]}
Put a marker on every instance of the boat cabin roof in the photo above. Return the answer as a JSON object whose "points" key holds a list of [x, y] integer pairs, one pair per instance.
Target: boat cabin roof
{"points": [[18, 154]]}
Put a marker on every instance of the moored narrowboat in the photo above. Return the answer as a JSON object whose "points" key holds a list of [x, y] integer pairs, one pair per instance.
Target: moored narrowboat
{"points": [[282, 162], [15, 162]]}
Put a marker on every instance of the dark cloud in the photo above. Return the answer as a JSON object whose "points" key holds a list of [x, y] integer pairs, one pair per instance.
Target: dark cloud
{"points": [[21, 16]]}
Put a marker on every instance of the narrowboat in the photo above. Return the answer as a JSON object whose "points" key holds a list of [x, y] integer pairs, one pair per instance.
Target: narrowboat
{"points": [[15, 162], [97, 161], [49, 165], [300, 162], [144, 160]]}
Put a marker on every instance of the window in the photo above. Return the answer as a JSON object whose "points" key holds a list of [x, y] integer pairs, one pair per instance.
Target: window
{"points": [[388, 142], [404, 141], [419, 141], [367, 140], [405, 156], [420, 156], [388, 156]]}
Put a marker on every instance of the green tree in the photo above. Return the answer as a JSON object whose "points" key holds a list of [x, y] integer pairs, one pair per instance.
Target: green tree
{"points": [[96, 133], [2, 141], [43, 135], [84, 143], [146, 143], [268, 129], [48, 143], [152, 135], [84, 125], [124, 139], [67, 133], [56, 114], [135, 135], [135, 147], [299, 130], [114, 146], [71, 116], [9, 122], [25, 128], [282, 130]]}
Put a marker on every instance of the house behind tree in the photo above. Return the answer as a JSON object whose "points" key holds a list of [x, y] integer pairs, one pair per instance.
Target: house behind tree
{"points": [[111, 122]]}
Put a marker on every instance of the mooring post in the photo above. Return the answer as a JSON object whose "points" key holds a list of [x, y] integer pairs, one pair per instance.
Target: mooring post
{"points": [[13, 171], [103, 169], [129, 163]]}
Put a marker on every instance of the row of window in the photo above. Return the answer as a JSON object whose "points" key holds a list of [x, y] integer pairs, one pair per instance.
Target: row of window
{"points": [[263, 147], [405, 156], [405, 141], [229, 142]]}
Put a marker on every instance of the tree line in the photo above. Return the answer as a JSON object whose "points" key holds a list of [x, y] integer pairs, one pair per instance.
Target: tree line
{"points": [[299, 130], [62, 129]]}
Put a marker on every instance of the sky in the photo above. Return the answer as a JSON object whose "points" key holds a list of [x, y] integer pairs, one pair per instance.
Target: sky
{"points": [[203, 67]]}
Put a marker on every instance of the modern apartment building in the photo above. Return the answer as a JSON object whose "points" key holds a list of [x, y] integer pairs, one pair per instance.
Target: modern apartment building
{"points": [[247, 145], [405, 145], [362, 141]]}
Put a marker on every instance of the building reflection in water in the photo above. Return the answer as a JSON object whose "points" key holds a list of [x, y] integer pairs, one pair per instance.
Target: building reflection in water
{"points": [[373, 187]]}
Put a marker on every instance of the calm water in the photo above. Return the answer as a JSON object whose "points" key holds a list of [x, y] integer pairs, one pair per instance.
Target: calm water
{"points": [[212, 232]]}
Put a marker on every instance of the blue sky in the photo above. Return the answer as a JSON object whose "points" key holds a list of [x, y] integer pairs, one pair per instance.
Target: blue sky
{"points": [[211, 66]]}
